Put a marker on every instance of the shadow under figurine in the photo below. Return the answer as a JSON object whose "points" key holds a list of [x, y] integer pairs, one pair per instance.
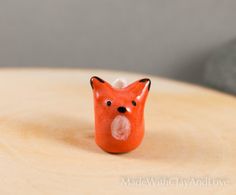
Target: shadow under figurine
{"points": [[119, 110]]}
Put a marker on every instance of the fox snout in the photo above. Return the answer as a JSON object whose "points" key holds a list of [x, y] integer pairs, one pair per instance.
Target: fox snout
{"points": [[121, 109]]}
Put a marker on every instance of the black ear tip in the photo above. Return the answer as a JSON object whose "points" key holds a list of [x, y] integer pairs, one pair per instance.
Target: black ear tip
{"points": [[97, 78], [91, 82], [146, 80]]}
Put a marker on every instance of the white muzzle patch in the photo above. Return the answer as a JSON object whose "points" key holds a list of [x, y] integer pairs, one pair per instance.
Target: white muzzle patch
{"points": [[120, 128]]}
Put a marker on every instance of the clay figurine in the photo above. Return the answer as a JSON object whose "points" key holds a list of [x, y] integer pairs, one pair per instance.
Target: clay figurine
{"points": [[119, 110]]}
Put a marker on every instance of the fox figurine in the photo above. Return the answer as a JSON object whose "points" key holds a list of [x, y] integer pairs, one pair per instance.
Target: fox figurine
{"points": [[119, 110]]}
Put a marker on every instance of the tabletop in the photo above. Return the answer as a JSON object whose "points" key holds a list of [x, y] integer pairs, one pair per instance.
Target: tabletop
{"points": [[47, 138]]}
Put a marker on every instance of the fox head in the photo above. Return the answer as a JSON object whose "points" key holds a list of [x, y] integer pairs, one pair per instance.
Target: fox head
{"points": [[119, 121]]}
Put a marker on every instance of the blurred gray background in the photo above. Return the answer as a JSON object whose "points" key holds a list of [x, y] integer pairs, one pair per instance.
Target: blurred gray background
{"points": [[161, 37]]}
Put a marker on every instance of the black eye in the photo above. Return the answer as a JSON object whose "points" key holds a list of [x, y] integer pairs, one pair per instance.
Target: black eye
{"points": [[108, 103], [134, 103]]}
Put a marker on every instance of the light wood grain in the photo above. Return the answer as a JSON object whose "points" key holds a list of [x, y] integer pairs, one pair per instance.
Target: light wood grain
{"points": [[47, 143]]}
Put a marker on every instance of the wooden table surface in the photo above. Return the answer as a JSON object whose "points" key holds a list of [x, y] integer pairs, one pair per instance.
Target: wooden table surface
{"points": [[47, 138]]}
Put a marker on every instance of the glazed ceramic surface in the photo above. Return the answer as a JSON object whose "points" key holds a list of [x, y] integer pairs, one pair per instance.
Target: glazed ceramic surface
{"points": [[119, 120]]}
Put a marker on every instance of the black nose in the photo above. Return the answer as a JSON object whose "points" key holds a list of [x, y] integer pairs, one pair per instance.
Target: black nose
{"points": [[121, 109]]}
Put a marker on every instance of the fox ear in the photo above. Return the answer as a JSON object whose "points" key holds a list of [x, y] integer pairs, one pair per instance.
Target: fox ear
{"points": [[147, 83], [141, 87], [94, 81], [98, 83]]}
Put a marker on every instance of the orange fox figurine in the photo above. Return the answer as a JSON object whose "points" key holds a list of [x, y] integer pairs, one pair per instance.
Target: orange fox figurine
{"points": [[119, 120]]}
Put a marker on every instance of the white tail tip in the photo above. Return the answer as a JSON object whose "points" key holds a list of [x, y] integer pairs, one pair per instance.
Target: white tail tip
{"points": [[119, 83]]}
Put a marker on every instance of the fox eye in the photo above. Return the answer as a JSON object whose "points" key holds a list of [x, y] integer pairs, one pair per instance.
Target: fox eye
{"points": [[134, 103], [108, 103]]}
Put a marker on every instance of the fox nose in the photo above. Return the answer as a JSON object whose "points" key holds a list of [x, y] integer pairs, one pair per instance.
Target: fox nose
{"points": [[121, 109]]}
